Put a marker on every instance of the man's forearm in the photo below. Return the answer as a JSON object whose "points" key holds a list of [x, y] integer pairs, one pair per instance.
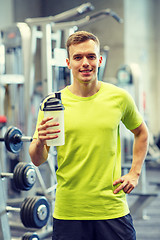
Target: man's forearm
{"points": [[129, 181], [38, 152], [140, 148]]}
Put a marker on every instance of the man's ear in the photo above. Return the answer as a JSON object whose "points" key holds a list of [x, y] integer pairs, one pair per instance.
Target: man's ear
{"points": [[68, 63], [100, 61]]}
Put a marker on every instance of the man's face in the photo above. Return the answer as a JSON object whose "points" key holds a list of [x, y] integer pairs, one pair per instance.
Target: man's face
{"points": [[84, 61]]}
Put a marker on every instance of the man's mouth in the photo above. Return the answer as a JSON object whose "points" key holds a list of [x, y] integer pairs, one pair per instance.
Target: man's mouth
{"points": [[86, 71]]}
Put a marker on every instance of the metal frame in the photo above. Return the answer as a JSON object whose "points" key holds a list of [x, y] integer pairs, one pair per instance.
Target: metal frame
{"points": [[4, 223]]}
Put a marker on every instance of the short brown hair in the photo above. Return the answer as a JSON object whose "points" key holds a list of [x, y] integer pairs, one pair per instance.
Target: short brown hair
{"points": [[79, 37]]}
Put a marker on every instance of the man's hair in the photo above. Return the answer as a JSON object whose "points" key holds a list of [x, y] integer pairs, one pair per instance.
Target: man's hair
{"points": [[79, 37]]}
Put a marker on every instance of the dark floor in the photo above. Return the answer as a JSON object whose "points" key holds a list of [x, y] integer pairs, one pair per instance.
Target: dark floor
{"points": [[148, 227]]}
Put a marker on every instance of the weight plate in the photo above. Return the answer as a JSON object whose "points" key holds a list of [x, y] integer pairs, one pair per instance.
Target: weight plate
{"points": [[6, 138], [24, 176], [13, 145], [20, 177], [30, 236], [34, 212], [38, 212], [23, 211], [26, 212], [29, 176], [31, 211], [16, 176]]}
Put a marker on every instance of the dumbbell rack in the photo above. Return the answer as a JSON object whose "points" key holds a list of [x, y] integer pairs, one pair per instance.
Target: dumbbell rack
{"points": [[24, 178], [31, 205], [4, 223]]}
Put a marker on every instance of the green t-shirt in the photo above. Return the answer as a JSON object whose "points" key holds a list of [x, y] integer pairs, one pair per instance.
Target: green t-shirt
{"points": [[90, 160]]}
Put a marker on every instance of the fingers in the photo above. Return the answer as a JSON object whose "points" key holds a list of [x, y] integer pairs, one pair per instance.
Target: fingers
{"points": [[46, 123], [45, 130], [50, 134], [125, 184], [120, 180], [126, 187], [121, 186]]}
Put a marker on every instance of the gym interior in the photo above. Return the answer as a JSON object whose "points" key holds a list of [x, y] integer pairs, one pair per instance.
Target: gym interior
{"points": [[32, 64]]}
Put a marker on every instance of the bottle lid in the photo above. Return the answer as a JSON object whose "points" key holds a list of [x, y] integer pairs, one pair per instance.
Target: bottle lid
{"points": [[53, 103]]}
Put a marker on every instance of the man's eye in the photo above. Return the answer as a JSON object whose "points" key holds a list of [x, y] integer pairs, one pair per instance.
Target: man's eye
{"points": [[92, 57], [77, 58]]}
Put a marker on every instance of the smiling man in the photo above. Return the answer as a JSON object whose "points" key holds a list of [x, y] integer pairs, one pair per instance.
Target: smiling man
{"points": [[91, 193], [84, 60]]}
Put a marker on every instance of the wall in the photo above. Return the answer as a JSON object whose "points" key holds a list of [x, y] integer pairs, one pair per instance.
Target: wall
{"points": [[27, 9], [156, 81], [6, 13]]}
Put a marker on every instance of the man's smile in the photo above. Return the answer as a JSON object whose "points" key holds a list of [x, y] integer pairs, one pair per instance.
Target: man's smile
{"points": [[86, 70]]}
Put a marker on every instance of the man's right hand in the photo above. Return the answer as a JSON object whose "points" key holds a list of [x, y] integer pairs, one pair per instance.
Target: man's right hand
{"points": [[38, 149], [46, 130]]}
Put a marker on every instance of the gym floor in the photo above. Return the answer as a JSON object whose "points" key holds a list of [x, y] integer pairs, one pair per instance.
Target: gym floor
{"points": [[148, 228]]}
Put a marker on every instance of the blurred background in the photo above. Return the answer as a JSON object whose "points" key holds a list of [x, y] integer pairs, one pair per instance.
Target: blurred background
{"points": [[32, 64], [136, 40]]}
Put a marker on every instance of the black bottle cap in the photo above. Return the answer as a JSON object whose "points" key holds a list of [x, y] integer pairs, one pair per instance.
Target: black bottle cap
{"points": [[53, 103]]}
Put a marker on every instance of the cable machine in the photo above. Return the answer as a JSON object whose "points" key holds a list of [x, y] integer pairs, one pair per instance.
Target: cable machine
{"points": [[52, 32], [15, 40]]}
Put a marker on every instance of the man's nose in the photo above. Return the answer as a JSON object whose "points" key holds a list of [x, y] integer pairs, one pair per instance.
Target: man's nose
{"points": [[85, 62]]}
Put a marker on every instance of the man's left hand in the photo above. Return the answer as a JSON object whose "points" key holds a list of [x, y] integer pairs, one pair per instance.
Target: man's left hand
{"points": [[127, 183]]}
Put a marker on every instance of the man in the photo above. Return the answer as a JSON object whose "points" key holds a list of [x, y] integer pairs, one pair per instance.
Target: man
{"points": [[90, 196]]}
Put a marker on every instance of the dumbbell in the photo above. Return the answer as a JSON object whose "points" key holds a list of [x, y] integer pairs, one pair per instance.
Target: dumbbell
{"points": [[30, 236], [14, 139], [24, 176], [34, 212]]}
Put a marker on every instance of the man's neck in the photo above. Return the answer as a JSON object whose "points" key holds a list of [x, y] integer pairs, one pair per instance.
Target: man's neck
{"points": [[85, 89]]}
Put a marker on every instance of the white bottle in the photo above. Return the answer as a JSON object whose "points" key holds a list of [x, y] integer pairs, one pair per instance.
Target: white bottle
{"points": [[53, 107]]}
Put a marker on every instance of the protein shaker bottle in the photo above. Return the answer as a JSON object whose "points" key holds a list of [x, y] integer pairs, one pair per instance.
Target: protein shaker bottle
{"points": [[53, 107]]}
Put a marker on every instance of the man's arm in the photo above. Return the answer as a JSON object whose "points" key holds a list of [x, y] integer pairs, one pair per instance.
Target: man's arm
{"points": [[140, 147], [38, 149], [38, 152]]}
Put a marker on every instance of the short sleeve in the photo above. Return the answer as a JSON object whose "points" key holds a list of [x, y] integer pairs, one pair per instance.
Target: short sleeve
{"points": [[131, 116]]}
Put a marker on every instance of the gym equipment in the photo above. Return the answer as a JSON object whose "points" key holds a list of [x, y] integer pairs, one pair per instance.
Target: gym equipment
{"points": [[14, 139], [52, 32], [24, 176], [99, 15], [30, 236], [129, 77], [14, 52], [3, 121], [74, 12], [34, 212]]}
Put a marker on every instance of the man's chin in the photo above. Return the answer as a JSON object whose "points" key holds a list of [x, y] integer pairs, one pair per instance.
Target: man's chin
{"points": [[86, 81]]}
